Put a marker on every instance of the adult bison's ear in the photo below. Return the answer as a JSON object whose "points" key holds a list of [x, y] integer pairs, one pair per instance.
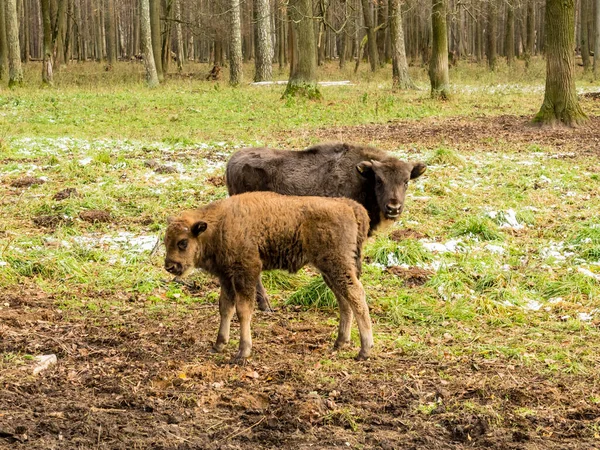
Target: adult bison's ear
{"points": [[364, 167], [417, 170], [198, 228]]}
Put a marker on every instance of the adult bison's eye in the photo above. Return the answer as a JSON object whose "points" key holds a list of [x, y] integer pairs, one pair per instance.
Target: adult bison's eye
{"points": [[378, 181], [182, 244]]}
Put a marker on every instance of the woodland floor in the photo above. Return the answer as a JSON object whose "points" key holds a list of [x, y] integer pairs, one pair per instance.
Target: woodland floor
{"points": [[133, 378]]}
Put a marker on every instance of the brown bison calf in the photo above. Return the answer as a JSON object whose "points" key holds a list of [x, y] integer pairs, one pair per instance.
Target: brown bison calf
{"points": [[238, 237]]}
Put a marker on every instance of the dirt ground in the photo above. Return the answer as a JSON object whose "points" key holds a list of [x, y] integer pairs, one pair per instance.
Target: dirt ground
{"points": [[138, 376]]}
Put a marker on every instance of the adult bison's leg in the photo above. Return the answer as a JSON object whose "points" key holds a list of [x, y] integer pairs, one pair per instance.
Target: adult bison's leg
{"points": [[245, 296], [262, 298], [226, 309], [343, 338]]}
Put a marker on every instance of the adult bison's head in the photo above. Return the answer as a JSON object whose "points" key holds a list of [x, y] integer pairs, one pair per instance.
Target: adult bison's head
{"points": [[390, 180], [181, 241]]}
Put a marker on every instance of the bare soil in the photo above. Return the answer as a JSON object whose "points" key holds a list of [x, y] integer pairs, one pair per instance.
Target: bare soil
{"points": [[471, 133], [26, 182], [413, 276], [95, 216]]}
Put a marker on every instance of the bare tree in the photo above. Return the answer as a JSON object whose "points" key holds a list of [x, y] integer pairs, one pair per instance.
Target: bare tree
{"points": [[303, 70], [264, 49], [147, 47], [438, 65], [400, 77], [235, 44], [597, 42], [109, 28], [372, 40], [156, 38], [15, 71], [3, 42], [47, 75], [179, 35], [561, 105], [509, 41], [491, 35]]}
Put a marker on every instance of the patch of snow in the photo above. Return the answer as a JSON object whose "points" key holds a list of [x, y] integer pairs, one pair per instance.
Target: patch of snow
{"points": [[588, 273], [125, 241], [495, 249], [585, 317], [85, 161], [507, 219], [532, 305], [3, 263], [452, 246]]}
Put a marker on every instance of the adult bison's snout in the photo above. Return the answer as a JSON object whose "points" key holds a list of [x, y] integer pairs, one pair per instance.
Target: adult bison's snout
{"points": [[393, 209], [174, 267]]}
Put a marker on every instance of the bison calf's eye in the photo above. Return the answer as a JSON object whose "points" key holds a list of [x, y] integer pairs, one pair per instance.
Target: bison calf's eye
{"points": [[182, 244]]}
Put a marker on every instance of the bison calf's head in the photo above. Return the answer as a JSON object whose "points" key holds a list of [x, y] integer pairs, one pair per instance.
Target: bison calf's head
{"points": [[181, 242], [390, 179]]}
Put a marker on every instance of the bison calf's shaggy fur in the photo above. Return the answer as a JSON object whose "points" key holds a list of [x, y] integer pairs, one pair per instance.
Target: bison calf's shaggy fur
{"points": [[238, 237]]}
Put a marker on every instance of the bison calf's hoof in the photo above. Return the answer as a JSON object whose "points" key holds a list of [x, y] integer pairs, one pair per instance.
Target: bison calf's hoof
{"points": [[362, 356], [340, 344], [218, 348], [265, 306], [238, 360]]}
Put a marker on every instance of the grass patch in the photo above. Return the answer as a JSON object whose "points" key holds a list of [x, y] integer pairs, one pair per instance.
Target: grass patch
{"points": [[315, 294]]}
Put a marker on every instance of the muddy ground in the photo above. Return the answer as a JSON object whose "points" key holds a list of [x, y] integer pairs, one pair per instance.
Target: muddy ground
{"points": [[138, 376]]}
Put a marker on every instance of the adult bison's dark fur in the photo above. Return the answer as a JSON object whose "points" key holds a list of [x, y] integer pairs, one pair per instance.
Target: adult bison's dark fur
{"points": [[238, 237], [367, 175]]}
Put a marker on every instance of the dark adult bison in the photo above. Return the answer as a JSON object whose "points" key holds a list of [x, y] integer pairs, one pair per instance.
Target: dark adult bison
{"points": [[238, 237], [367, 175]]}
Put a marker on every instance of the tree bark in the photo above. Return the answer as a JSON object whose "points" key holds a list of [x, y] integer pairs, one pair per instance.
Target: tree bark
{"points": [[372, 40], [438, 65], [58, 36], [303, 73], [509, 42], [561, 105], [400, 77], [15, 70], [26, 22], [109, 30], [47, 76], [3, 42], [530, 31], [264, 50], [235, 44], [156, 37], [147, 44]]}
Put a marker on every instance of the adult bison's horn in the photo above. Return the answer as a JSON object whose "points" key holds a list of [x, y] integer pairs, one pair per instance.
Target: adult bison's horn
{"points": [[364, 167], [418, 169]]}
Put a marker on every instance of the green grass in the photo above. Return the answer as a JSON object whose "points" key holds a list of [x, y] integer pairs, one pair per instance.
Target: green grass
{"points": [[95, 131]]}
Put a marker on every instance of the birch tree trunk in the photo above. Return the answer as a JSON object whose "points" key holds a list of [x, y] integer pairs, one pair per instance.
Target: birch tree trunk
{"points": [[303, 69], [146, 43], [179, 35], [235, 44], [372, 40], [47, 76], [438, 65], [561, 105], [3, 42], [15, 71], [400, 77], [264, 49]]}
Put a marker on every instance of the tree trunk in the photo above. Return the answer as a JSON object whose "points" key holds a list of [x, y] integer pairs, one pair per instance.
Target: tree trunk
{"points": [[510, 36], [15, 71], [400, 77], [179, 36], [372, 41], [561, 105], [438, 65], [47, 76], [166, 36], [109, 29], [147, 44], [264, 50], [303, 74], [491, 35], [585, 14], [597, 42], [3, 42], [235, 44], [68, 31], [530, 30], [380, 36], [59, 34], [156, 37], [26, 21]]}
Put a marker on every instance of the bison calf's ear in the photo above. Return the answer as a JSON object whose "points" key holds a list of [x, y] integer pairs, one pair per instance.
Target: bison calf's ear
{"points": [[418, 169], [364, 167], [198, 228]]}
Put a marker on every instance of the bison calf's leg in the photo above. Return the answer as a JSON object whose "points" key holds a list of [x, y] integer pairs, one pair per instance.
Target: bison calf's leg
{"points": [[244, 306], [343, 338], [226, 310], [262, 298]]}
